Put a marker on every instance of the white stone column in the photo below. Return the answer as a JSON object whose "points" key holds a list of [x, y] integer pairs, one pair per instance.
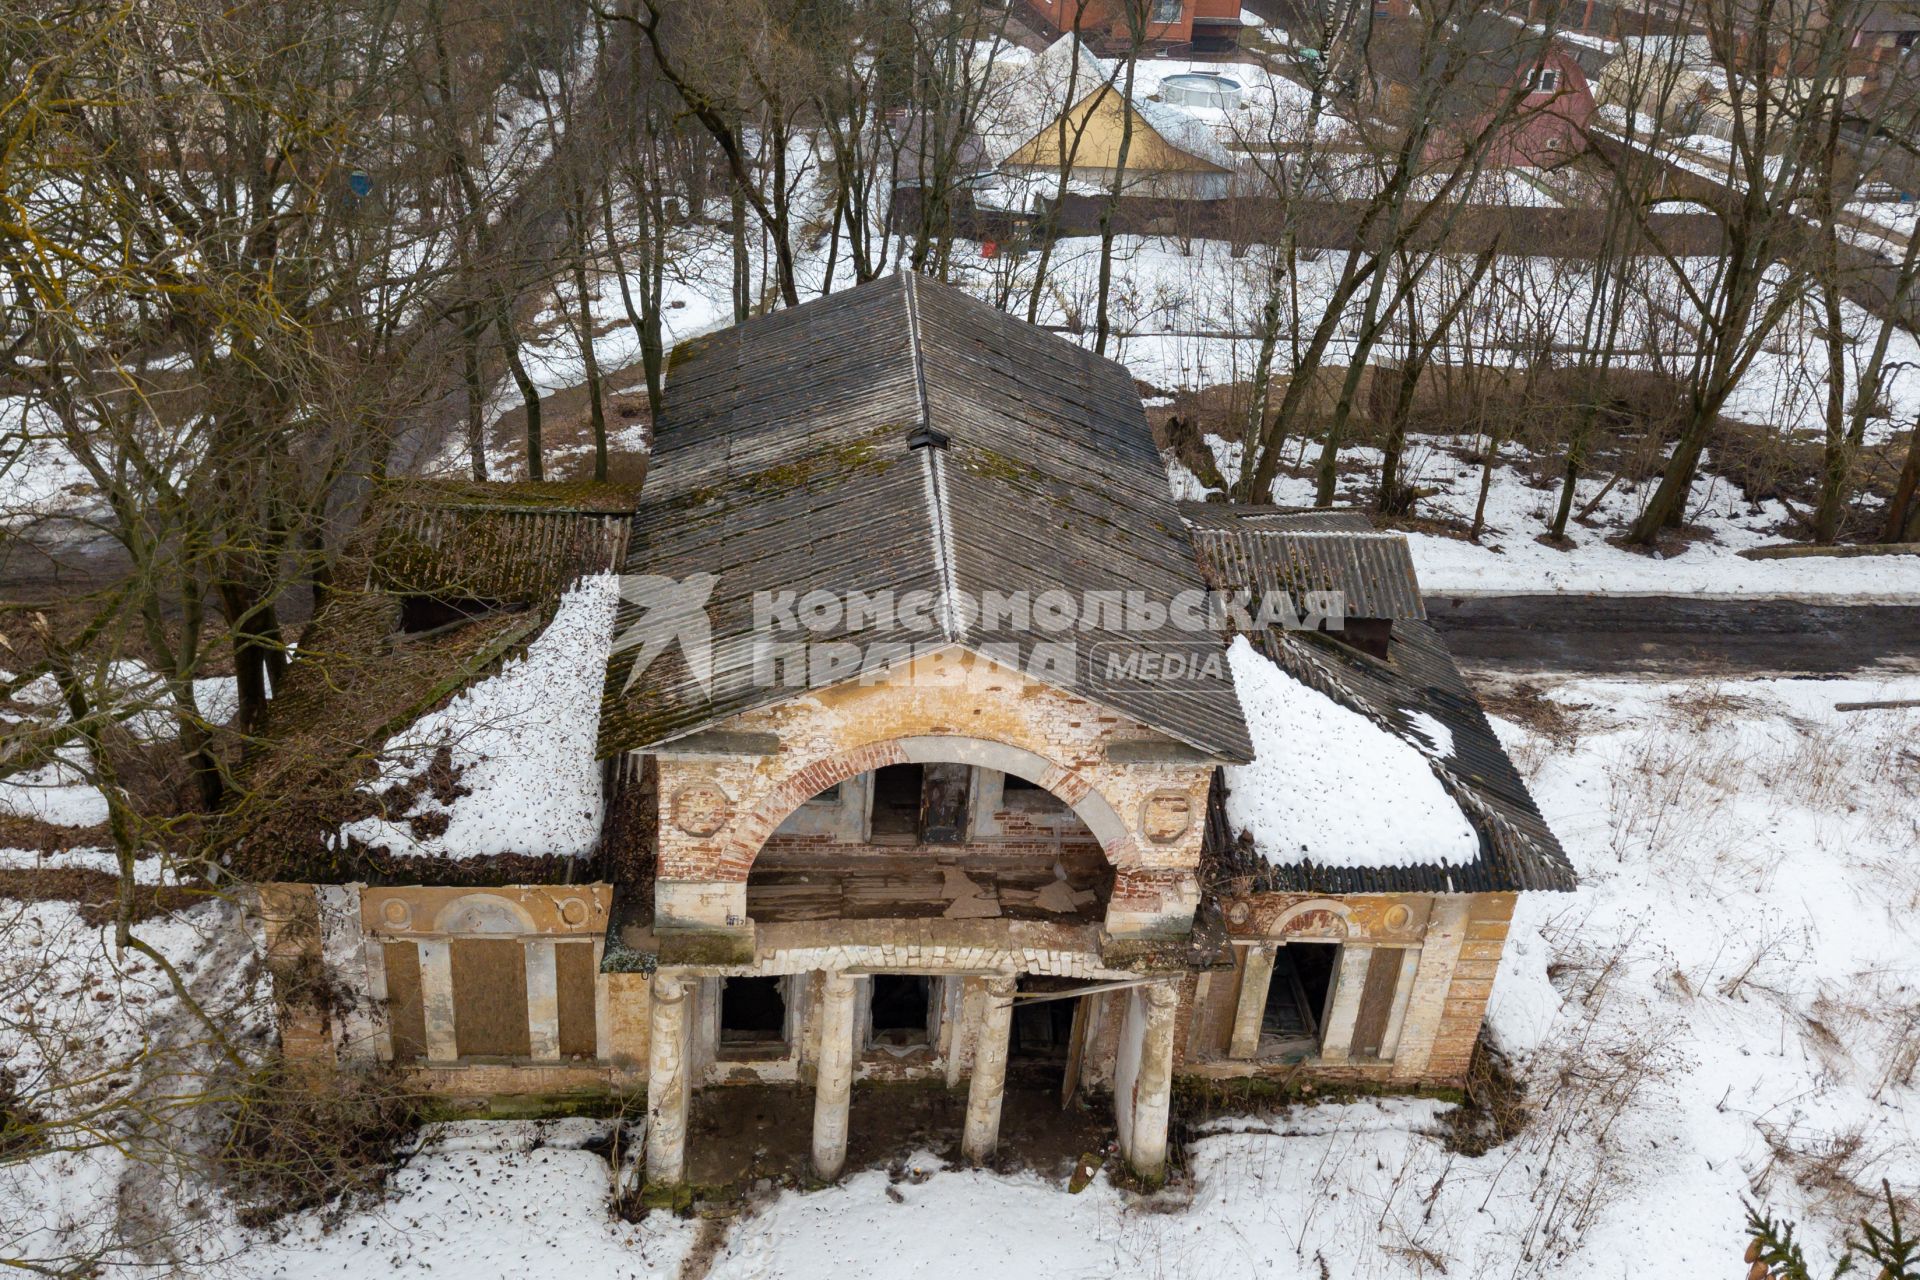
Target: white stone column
{"points": [[1152, 1100], [1256, 976], [987, 1090], [543, 999], [668, 1081], [833, 1079], [1336, 1045], [1433, 975], [436, 1000]]}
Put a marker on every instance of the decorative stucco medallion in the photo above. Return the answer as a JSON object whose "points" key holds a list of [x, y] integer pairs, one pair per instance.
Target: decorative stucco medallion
{"points": [[573, 911], [396, 913], [700, 809], [1397, 916], [1166, 816]]}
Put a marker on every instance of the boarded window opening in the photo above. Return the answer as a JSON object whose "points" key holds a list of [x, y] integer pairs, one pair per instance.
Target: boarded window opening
{"points": [[406, 1014], [575, 975], [753, 1011], [490, 998], [902, 1009], [896, 802], [943, 803], [1376, 1002]]}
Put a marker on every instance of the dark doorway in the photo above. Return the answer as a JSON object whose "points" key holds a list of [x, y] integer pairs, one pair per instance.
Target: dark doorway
{"points": [[1297, 996], [1042, 1029], [901, 1009], [896, 803], [753, 1011]]}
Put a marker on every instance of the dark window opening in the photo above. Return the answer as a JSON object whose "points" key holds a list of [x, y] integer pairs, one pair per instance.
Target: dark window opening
{"points": [[1297, 996], [420, 614], [752, 1011], [896, 801], [901, 1007], [1372, 636], [830, 796], [1018, 794]]}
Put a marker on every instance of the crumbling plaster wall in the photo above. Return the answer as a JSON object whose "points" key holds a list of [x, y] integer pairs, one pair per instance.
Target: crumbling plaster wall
{"points": [[718, 809], [1450, 947]]}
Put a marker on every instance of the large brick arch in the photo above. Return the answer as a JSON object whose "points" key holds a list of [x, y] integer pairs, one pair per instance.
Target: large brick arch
{"points": [[1073, 788]]}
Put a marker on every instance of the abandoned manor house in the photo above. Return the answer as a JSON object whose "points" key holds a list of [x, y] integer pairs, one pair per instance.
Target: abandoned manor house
{"points": [[876, 737]]}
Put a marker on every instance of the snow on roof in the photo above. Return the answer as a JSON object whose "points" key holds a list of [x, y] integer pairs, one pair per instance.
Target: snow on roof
{"points": [[1034, 93], [1184, 132], [1030, 94], [1329, 786], [522, 742]]}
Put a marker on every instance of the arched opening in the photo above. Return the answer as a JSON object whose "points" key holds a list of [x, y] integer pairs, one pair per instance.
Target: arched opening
{"points": [[959, 828]]}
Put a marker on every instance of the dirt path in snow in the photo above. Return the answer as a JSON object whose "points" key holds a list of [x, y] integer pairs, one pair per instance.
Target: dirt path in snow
{"points": [[1675, 635]]}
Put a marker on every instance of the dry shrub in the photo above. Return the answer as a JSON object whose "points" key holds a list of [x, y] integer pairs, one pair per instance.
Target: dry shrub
{"points": [[1701, 707], [1495, 1110], [1554, 726], [1665, 788], [302, 1138], [18, 1124], [1838, 1168], [96, 892]]}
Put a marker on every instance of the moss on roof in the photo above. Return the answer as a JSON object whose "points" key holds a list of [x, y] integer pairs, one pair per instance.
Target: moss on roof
{"points": [[595, 497]]}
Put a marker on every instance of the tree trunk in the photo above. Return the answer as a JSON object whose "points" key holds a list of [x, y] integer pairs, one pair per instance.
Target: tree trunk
{"points": [[470, 377], [529, 394], [596, 401], [1903, 513]]}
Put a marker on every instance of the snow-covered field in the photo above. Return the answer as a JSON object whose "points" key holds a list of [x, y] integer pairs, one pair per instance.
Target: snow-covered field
{"points": [[1727, 1009]]}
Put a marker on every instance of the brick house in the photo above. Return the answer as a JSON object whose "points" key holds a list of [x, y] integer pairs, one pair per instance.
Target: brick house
{"points": [[1201, 25], [990, 817], [1523, 84]]}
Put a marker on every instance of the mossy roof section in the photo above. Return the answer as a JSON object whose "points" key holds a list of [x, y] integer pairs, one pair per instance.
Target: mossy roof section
{"points": [[351, 687], [596, 497], [354, 683], [786, 461]]}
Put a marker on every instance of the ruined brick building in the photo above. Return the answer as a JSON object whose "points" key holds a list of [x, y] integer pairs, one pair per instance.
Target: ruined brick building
{"points": [[941, 766]]}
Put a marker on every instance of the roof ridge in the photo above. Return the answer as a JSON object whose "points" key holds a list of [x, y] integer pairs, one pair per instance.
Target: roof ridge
{"points": [[1308, 533], [939, 516]]}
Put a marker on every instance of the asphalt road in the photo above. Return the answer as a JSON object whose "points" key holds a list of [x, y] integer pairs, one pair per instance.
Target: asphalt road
{"points": [[1675, 635]]}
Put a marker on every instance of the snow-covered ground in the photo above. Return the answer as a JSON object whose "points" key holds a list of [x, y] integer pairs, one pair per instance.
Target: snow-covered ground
{"points": [[1728, 1009], [1510, 559]]}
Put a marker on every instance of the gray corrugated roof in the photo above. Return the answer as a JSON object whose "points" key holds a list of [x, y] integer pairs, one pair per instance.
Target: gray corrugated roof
{"points": [[1517, 848], [494, 552], [1237, 515], [1313, 551], [782, 463]]}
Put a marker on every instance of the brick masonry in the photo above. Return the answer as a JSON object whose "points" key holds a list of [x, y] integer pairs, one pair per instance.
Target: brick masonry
{"points": [[718, 811]]}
